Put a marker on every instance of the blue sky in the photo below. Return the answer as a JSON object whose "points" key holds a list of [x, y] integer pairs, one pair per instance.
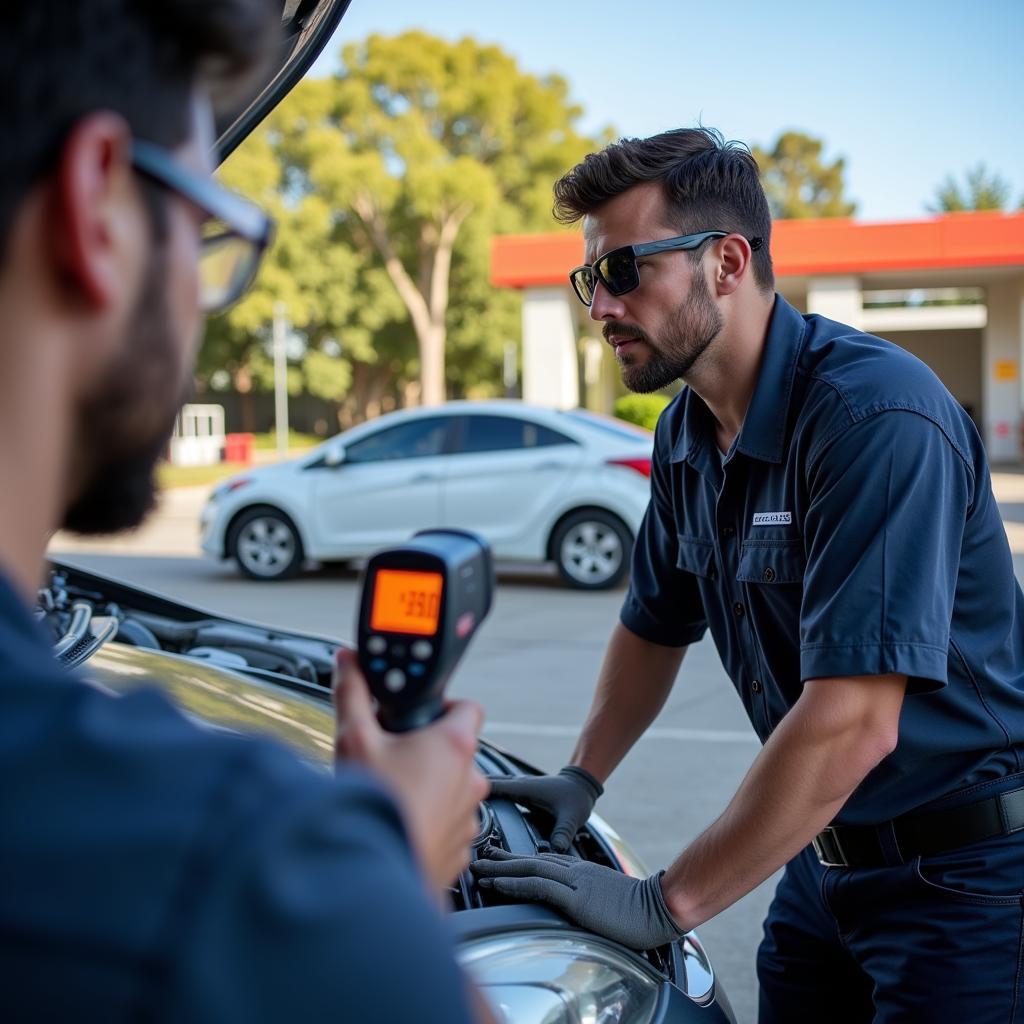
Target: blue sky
{"points": [[906, 91]]}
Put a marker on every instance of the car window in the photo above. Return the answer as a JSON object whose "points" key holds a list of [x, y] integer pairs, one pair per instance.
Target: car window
{"points": [[415, 439], [609, 424], [506, 433]]}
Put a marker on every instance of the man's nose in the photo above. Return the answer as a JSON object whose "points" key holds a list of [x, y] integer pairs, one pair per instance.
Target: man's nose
{"points": [[606, 306]]}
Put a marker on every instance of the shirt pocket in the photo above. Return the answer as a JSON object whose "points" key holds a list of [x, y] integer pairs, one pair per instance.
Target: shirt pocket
{"points": [[772, 561], [696, 555]]}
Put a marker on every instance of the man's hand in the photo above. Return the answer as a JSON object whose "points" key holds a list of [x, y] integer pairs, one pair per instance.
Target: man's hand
{"points": [[568, 797], [629, 910], [430, 770]]}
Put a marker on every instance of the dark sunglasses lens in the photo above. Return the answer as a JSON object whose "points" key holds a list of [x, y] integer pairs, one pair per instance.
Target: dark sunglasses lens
{"points": [[618, 271], [583, 284]]}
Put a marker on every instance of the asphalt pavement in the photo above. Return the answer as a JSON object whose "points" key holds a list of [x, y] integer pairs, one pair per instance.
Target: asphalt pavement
{"points": [[532, 666]]}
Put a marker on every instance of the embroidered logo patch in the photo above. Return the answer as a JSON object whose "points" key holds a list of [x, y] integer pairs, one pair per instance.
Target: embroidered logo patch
{"points": [[772, 519]]}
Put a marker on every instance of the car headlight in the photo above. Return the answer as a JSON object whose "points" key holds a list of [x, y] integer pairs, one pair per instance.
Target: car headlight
{"points": [[544, 978]]}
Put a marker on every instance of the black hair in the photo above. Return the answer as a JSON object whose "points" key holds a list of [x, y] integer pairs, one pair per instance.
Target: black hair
{"points": [[61, 60], [709, 185]]}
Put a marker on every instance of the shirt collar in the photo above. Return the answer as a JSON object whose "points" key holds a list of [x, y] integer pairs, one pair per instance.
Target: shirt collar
{"points": [[764, 427]]}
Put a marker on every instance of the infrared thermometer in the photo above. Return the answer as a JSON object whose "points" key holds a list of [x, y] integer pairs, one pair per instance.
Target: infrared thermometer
{"points": [[421, 604]]}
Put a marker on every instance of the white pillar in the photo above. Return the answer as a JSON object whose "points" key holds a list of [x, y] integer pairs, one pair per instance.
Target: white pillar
{"points": [[1001, 386], [838, 298], [550, 364]]}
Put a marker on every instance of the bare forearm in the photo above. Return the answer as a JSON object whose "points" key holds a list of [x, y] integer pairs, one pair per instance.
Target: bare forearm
{"points": [[635, 681], [801, 779]]}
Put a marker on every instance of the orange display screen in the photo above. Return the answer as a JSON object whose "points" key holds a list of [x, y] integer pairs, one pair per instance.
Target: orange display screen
{"points": [[406, 602]]}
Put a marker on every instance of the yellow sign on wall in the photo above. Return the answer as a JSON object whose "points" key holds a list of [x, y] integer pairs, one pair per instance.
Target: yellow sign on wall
{"points": [[1005, 369]]}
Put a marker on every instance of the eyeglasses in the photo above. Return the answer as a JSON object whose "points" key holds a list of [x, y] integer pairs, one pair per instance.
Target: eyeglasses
{"points": [[235, 234], [618, 272]]}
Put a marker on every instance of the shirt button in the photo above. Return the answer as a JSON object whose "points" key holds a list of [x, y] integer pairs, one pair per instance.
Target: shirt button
{"points": [[739, 610], [756, 686], [768, 575]]}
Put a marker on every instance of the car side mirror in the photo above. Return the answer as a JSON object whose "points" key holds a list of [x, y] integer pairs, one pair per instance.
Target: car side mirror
{"points": [[335, 457]]}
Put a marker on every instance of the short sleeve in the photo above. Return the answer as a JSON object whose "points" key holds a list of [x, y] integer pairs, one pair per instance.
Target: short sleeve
{"points": [[312, 908], [663, 604], [887, 504]]}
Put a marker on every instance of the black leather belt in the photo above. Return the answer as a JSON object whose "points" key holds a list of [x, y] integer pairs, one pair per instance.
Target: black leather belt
{"points": [[921, 835]]}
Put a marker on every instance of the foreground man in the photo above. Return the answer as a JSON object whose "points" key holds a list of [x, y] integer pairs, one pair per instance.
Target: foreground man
{"points": [[823, 504], [151, 870]]}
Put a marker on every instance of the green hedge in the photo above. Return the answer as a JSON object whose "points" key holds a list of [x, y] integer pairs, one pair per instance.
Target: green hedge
{"points": [[643, 410]]}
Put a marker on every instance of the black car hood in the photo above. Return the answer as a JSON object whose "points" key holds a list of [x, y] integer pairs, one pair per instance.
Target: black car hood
{"points": [[307, 25], [234, 675]]}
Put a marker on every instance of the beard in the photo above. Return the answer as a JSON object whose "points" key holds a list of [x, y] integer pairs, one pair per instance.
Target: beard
{"points": [[691, 329], [124, 428]]}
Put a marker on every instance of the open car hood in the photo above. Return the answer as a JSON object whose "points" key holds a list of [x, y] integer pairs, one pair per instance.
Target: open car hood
{"points": [[307, 25]]}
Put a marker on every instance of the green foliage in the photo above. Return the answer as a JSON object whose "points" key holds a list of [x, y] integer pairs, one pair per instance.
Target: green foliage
{"points": [[267, 440], [799, 182], [982, 190], [643, 410], [388, 182]]}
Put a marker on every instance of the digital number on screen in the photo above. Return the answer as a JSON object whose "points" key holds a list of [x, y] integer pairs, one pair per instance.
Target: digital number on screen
{"points": [[406, 602]]}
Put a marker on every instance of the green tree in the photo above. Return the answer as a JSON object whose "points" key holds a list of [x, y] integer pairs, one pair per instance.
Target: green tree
{"points": [[422, 150], [982, 190], [336, 301], [388, 183], [799, 182]]}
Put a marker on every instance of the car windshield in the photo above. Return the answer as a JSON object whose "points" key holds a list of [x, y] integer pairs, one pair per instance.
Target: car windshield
{"points": [[610, 425]]}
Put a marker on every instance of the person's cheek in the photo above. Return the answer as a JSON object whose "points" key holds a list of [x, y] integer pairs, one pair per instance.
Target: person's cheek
{"points": [[184, 290]]}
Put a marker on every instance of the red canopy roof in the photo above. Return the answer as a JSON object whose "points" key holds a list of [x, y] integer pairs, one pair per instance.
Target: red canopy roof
{"points": [[806, 247]]}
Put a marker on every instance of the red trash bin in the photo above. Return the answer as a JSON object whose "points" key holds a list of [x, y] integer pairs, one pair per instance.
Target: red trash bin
{"points": [[238, 448]]}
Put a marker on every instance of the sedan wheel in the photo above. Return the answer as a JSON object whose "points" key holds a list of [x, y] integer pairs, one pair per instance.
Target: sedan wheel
{"points": [[266, 545], [592, 550]]}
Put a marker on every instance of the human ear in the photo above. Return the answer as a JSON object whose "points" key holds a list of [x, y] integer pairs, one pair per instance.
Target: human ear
{"points": [[90, 225], [734, 257]]}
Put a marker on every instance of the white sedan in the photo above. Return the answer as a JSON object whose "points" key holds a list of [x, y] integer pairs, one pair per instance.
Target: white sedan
{"points": [[539, 484]]}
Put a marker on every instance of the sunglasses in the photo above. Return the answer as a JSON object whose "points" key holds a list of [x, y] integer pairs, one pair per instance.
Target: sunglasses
{"points": [[618, 272], [235, 234]]}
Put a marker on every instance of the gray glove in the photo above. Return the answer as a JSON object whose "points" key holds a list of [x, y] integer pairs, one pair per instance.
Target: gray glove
{"points": [[629, 910], [568, 797]]}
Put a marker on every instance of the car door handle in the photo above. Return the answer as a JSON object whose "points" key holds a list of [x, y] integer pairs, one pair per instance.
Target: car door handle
{"points": [[552, 465], [424, 478]]}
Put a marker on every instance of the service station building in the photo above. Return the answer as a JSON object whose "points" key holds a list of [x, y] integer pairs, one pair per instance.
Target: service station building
{"points": [[950, 289]]}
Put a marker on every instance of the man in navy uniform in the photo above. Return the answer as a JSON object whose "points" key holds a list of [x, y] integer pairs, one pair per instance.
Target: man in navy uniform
{"points": [[151, 869], [824, 506]]}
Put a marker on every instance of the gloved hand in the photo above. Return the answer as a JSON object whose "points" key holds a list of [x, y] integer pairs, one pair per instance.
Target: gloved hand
{"points": [[629, 910], [568, 797]]}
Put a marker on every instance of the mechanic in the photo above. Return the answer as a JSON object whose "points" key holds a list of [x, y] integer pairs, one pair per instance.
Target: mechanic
{"points": [[152, 869], [824, 506]]}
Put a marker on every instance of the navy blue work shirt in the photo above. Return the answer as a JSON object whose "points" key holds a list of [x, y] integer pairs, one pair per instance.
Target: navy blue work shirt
{"points": [[850, 530], [153, 870]]}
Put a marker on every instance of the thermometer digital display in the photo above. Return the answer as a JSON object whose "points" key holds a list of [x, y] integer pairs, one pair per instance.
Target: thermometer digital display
{"points": [[422, 602], [406, 602]]}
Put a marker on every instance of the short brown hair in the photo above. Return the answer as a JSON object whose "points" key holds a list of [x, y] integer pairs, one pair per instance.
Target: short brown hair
{"points": [[709, 185]]}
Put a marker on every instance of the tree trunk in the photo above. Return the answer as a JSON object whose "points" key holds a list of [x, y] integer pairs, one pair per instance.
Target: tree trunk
{"points": [[428, 303]]}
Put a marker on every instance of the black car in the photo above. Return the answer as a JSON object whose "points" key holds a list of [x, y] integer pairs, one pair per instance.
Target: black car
{"points": [[227, 674], [532, 964]]}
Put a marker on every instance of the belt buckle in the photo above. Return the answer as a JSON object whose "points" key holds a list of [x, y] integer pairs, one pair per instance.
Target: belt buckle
{"points": [[829, 850]]}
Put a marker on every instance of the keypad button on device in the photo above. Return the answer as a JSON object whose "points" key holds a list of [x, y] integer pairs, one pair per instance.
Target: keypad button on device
{"points": [[422, 649], [378, 665], [395, 680], [376, 645]]}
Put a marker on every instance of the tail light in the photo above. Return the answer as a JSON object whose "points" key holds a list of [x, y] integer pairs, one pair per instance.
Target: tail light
{"points": [[642, 466]]}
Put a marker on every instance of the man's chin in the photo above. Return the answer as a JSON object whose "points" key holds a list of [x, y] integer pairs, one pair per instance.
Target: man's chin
{"points": [[643, 379], [119, 497]]}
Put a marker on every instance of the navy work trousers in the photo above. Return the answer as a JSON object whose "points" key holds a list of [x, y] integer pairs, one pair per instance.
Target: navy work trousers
{"points": [[936, 940]]}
